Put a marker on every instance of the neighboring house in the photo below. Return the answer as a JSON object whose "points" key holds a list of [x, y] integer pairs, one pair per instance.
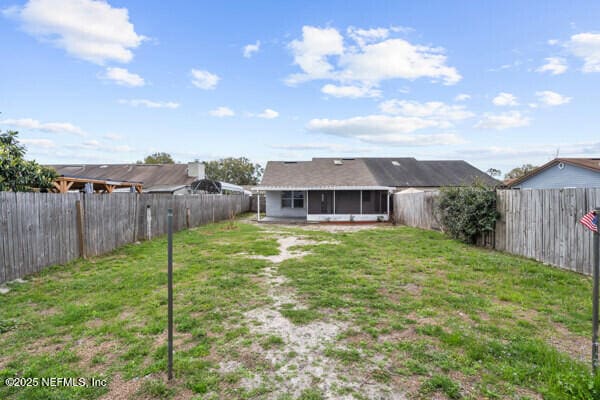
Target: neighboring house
{"points": [[152, 178], [354, 189], [561, 173]]}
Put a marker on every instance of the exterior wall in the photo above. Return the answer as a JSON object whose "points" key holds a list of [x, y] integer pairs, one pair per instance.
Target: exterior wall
{"points": [[347, 217], [274, 209], [569, 177]]}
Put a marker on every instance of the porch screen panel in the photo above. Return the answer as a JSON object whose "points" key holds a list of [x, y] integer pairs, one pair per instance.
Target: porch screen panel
{"points": [[347, 202], [320, 202]]}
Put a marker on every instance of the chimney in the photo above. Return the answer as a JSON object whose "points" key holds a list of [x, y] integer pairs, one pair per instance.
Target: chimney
{"points": [[196, 170]]}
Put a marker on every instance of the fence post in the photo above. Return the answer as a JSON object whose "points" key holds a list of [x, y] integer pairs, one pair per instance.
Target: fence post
{"points": [[148, 222], [170, 291], [595, 296], [80, 228]]}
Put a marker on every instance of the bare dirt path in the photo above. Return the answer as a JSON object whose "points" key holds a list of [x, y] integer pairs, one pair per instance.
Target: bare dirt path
{"points": [[301, 363]]}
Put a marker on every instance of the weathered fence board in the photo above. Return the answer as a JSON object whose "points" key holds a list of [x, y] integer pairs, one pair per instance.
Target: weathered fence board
{"points": [[41, 229], [416, 209], [542, 224]]}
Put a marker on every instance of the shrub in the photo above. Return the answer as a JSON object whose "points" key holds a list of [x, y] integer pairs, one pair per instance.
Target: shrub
{"points": [[467, 212]]}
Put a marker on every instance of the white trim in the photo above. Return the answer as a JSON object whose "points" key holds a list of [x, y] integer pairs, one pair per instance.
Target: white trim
{"points": [[361, 202], [346, 217], [258, 208], [302, 188]]}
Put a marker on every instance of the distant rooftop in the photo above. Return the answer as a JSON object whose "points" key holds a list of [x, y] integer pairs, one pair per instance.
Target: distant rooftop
{"points": [[150, 175]]}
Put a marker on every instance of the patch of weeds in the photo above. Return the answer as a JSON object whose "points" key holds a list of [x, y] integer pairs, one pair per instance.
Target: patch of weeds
{"points": [[344, 355], [301, 316], [442, 384], [311, 394], [7, 325], [272, 341], [156, 389]]}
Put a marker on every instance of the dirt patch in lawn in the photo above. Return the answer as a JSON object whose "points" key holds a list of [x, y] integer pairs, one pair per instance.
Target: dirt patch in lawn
{"points": [[565, 341], [299, 361], [120, 389], [334, 228]]}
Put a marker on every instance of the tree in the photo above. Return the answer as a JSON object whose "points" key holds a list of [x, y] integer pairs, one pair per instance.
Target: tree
{"points": [[158, 158], [519, 171], [239, 171], [467, 212], [493, 172], [18, 174]]}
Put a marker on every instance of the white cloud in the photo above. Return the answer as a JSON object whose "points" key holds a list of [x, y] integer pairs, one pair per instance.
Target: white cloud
{"points": [[50, 127], [554, 65], [113, 136], [551, 98], [321, 54], [43, 143], [149, 103], [268, 114], [365, 36], [250, 49], [462, 97], [90, 30], [204, 79], [331, 147], [352, 92], [511, 119], [383, 129], [587, 47], [312, 52], [505, 99], [396, 58], [371, 127], [435, 110], [222, 112], [123, 77], [96, 145]]}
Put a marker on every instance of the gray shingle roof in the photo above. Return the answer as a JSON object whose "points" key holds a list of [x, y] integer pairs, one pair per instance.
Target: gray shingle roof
{"points": [[151, 175], [394, 172], [318, 172]]}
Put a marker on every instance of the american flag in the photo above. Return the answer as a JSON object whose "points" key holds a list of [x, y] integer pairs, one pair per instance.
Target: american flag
{"points": [[590, 220]]}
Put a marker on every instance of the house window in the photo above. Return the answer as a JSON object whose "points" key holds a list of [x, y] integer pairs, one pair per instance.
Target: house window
{"points": [[291, 199]]}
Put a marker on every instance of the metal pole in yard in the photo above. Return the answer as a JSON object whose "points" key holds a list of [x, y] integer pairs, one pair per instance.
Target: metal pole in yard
{"points": [[596, 273], [170, 289]]}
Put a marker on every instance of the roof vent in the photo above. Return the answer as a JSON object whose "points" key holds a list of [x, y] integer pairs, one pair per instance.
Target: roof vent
{"points": [[290, 162], [396, 163], [104, 166], [338, 162], [348, 159]]}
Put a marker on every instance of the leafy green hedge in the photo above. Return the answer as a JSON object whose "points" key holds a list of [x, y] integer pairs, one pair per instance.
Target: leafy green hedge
{"points": [[467, 212]]}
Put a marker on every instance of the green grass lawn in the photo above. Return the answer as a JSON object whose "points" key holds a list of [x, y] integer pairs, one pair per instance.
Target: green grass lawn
{"points": [[423, 314]]}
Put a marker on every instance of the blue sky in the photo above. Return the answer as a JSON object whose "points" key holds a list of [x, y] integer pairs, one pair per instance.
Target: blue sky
{"points": [[498, 84]]}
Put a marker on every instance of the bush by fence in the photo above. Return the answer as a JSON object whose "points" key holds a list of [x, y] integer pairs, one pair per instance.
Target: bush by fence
{"points": [[542, 224], [42, 229]]}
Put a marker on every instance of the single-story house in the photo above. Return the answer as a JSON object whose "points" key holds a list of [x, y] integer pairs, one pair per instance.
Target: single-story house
{"points": [[561, 173], [354, 189], [151, 178]]}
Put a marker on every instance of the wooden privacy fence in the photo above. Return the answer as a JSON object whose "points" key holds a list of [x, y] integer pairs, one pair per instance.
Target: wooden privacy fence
{"points": [[542, 224], [42, 229], [416, 209]]}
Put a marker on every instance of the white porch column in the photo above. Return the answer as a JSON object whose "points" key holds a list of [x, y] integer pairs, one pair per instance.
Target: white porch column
{"points": [[388, 203], [361, 202], [258, 207], [307, 203]]}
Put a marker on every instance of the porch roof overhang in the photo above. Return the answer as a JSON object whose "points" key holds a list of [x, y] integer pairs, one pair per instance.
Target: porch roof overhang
{"points": [[327, 187]]}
